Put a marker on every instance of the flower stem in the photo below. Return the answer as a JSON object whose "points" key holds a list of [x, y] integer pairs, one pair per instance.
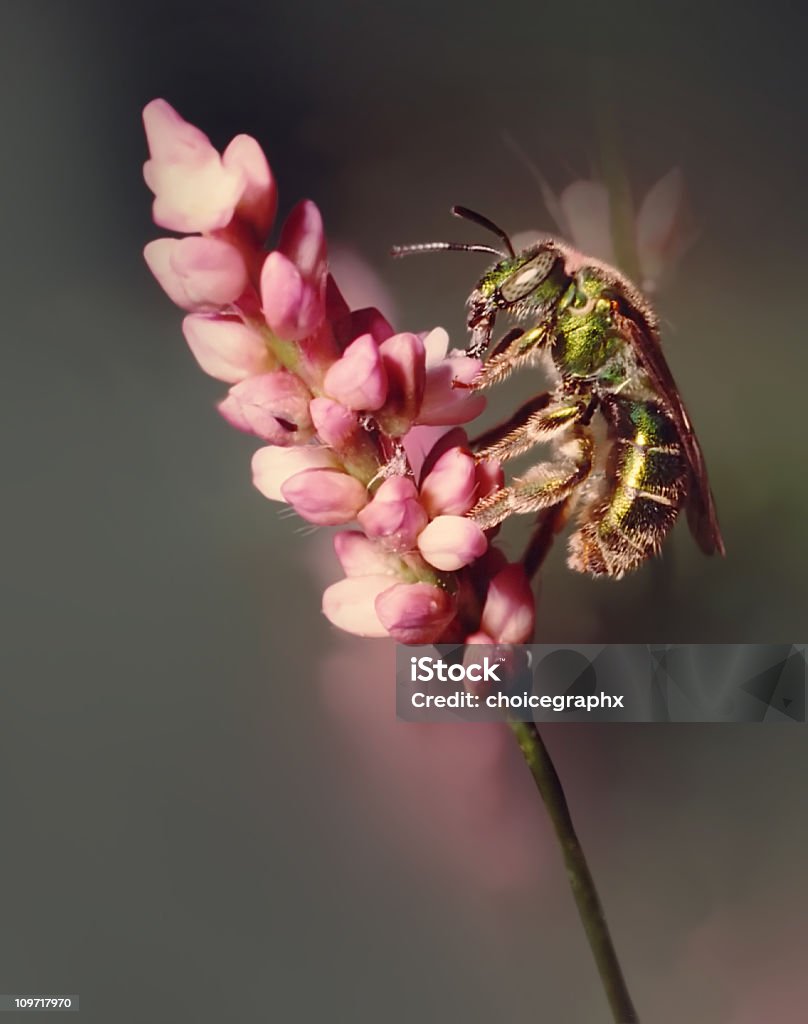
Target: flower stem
{"points": [[583, 886]]}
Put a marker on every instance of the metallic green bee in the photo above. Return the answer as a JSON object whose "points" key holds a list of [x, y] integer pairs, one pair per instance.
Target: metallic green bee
{"points": [[599, 337]]}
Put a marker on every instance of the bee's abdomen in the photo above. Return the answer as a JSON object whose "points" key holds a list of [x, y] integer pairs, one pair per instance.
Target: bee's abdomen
{"points": [[646, 483]]}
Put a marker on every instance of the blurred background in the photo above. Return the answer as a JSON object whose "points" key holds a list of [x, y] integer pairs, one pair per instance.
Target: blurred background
{"points": [[210, 813]]}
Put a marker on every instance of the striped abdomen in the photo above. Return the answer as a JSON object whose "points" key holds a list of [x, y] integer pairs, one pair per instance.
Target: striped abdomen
{"points": [[646, 484]]}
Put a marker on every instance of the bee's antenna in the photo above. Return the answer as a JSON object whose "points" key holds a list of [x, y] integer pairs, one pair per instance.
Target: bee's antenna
{"points": [[484, 222], [408, 250]]}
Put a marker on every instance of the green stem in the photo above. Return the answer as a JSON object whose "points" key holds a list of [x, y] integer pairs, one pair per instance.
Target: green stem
{"points": [[583, 886]]}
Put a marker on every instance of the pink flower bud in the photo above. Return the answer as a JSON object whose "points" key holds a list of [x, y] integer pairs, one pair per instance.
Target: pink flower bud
{"points": [[273, 466], [293, 306], [226, 348], [350, 604], [360, 556], [274, 406], [664, 228], [362, 321], [490, 478], [336, 426], [415, 613], [450, 542], [197, 273], [325, 496], [451, 485], [358, 379], [508, 615], [444, 402], [403, 358], [259, 200], [303, 240], [478, 638], [394, 517], [193, 190]]}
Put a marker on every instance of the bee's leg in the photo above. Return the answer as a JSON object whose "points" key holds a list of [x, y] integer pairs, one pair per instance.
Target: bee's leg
{"points": [[501, 430], [546, 484], [504, 361], [549, 522], [534, 423]]}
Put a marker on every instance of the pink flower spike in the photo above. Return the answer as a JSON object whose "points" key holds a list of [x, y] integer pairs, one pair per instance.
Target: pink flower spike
{"points": [[336, 426], [193, 190], [358, 379], [273, 466], [226, 348], [325, 496], [394, 517], [403, 357], [509, 612], [259, 200], [274, 406], [350, 604], [450, 487], [197, 273], [451, 542], [360, 556], [293, 307], [444, 402], [415, 613]]}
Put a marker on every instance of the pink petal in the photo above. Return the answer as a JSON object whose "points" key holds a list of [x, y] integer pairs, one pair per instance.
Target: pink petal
{"points": [[303, 240], [192, 189], [436, 345], [336, 426], [358, 379], [259, 199], [451, 542], [415, 613], [587, 210], [362, 321], [350, 604], [226, 348], [273, 466], [509, 611], [451, 485], [444, 404], [403, 357], [360, 556], [394, 517], [325, 496], [273, 406], [293, 307], [664, 227], [197, 273]]}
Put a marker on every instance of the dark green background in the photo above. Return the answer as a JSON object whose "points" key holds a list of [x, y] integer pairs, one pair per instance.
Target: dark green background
{"points": [[189, 832]]}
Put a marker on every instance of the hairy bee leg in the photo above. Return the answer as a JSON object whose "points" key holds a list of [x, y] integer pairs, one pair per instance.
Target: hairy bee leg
{"points": [[545, 485], [501, 365], [531, 428], [522, 414], [549, 523]]}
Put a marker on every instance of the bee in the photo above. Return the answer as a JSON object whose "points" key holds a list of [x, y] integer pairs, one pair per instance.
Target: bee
{"points": [[599, 337]]}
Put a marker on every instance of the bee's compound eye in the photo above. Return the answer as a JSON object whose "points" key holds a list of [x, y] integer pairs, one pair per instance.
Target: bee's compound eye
{"points": [[529, 276]]}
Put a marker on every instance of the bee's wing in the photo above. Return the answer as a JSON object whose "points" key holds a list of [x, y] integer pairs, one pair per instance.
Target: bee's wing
{"points": [[701, 513]]}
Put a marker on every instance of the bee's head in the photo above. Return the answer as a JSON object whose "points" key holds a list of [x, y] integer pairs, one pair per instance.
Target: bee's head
{"points": [[509, 282]]}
